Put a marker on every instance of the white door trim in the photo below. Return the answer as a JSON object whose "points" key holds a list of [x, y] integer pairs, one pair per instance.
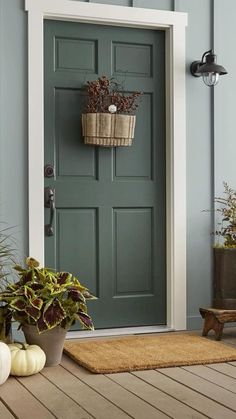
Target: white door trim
{"points": [[174, 24]]}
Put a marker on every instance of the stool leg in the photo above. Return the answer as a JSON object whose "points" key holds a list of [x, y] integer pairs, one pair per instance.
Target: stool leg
{"points": [[208, 324], [218, 330]]}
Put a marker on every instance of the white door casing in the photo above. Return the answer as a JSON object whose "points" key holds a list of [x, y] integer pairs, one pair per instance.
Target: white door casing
{"points": [[174, 24]]}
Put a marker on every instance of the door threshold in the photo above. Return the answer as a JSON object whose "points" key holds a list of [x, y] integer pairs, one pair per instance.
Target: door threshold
{"points": [[117, 331]]}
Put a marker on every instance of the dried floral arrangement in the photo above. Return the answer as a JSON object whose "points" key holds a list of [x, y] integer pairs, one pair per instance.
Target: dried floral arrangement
{"points": [[227, 226], [106, 95]]}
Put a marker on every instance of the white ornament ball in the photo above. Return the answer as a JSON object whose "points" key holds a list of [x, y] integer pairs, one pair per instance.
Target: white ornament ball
{"points": [[112, 108]]}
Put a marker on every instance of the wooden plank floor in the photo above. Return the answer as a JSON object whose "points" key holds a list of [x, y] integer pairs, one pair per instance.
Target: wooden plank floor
{"points": [[71, 392]]}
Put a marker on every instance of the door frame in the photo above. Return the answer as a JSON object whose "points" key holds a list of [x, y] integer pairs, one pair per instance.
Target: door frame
{"points": [[174, 24]]}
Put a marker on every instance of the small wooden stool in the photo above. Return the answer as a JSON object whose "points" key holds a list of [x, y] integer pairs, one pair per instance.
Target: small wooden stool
{"points": [[215, 319]]}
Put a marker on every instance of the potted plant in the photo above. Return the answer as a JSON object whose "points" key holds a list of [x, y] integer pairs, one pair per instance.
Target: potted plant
{"points": [[224, 285], [6, 255], [109, 117], [46, 303]]}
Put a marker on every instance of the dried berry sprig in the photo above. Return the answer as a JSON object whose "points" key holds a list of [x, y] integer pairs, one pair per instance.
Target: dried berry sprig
{"points": [[103, 92]]}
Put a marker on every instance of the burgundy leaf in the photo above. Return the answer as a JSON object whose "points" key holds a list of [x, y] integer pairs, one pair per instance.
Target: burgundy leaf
{"points": [[85, 319], [88, 296], [28, 277], [41, 325], [37, 303], [20, 314], [21, 317], [53, 313], [64, 323], [29, 293], [36, 287], [76, 295], [33, 312], [18, 304], [63, 278]]}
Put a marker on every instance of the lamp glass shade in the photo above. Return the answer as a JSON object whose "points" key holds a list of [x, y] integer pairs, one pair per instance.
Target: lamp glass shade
{"points": [[210, 79]]}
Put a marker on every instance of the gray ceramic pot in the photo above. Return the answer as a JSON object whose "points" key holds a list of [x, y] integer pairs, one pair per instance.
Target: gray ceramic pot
{"points": [[51, 342]]}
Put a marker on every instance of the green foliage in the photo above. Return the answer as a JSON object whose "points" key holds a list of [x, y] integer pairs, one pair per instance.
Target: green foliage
{"points": [[6, 261], [46, 298], [6, 256], [227, 210]]}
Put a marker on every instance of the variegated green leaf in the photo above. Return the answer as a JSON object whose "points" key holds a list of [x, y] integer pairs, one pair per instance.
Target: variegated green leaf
{"points": [[76, 295], [83, 308], [18, 303], [33, 312], [29, 293], [37, 303], [53, 313], [36, 287], [41, 325], [89, 296], [85, 320], [63, 278]]}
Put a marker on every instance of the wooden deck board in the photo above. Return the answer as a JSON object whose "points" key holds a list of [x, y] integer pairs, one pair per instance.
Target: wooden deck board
{"points": [[155, 397], [71, 392], [186, 395], [232, 363], [224, 368], [4, 412], [122, 398], [212, 375], [22, 403], [88, 398], [59, 404], [211, 390]]}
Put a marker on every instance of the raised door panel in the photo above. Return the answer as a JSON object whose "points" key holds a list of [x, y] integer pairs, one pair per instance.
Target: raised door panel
{"points": [[77, 249], [133, 251], [137, 162], [76, 55], [72, 158], [132, 60]]}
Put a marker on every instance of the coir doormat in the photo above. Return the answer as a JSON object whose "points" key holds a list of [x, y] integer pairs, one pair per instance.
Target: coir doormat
{"points": [[144, 352]]}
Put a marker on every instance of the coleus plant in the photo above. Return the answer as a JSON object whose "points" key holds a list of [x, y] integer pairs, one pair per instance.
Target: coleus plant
{"points": [[46, 298]]}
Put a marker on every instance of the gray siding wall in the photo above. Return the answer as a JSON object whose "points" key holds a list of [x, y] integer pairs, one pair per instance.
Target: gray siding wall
{"points": [[211, 146]]}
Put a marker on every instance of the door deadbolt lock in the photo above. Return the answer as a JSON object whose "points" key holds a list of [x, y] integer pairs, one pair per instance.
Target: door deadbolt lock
{"points": [[49, 170]]}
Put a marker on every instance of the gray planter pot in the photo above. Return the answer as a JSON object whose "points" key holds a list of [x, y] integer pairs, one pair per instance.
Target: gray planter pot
{"points": [[51, 342], [224, 286]]}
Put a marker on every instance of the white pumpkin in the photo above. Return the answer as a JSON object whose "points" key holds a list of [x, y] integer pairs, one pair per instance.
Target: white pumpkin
{"points": [[5, 362], [26, 359]]}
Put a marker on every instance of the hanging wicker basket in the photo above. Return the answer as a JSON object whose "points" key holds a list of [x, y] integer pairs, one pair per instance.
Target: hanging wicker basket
{"points": [[107, 129]]}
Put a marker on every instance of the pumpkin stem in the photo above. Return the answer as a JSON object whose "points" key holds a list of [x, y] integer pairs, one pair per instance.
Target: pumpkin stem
{"points": [[23, 345]]}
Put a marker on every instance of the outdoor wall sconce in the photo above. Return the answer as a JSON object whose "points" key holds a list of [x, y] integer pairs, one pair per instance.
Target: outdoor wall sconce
{"points": [[207, 68]]}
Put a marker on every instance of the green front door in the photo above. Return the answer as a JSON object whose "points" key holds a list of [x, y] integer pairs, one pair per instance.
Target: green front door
{"points": [[109, 224]]}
